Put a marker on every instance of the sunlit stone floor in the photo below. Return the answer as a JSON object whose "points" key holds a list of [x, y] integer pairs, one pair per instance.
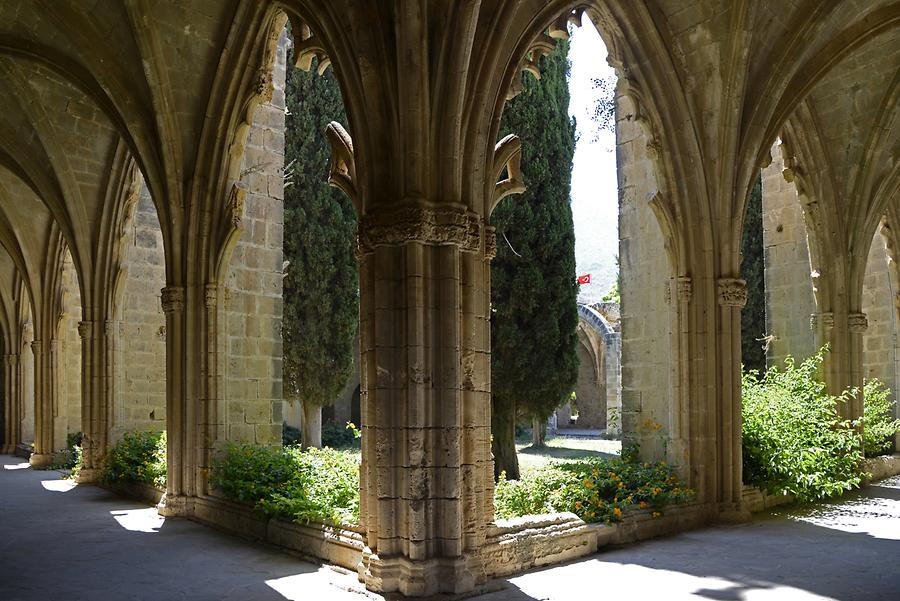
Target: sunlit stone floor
{"points": [[59, 542]]}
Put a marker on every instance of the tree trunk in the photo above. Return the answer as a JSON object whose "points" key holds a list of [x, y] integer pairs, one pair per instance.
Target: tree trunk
{"points": [[538, 432], [503, 445], [311, 429]]}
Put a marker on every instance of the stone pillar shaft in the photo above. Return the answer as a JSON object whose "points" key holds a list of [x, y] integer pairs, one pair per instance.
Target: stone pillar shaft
{"points": [[12, 407], [173, 303], [427, 476], [732, 296], [43, 406]]}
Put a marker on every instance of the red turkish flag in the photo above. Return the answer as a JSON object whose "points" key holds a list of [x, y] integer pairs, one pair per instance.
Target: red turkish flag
{"points": [[584, 279]]}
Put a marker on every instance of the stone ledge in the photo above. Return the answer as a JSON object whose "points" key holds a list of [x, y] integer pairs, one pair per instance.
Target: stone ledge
{"points": [[881, 467], [519, 544], [338, 545], [138, 491], [639, 524]]}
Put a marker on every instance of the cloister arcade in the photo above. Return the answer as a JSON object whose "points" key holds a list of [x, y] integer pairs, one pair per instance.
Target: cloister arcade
{"points": [[122, 113]]}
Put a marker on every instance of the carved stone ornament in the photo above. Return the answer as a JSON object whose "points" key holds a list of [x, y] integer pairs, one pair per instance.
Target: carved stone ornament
{"points": [[172, 298], [490, 242], [237, 200], [684, 288], [36, 347], [857, 323], [212, 295], [431, 226], [826, 320], [667, 293], [342, 171], [85, 328], [732, 292], [507, 155]]}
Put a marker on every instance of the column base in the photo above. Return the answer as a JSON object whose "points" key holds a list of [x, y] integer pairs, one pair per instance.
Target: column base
{"points": [[172, 506], [733, 513], [88, 475], [416, 578], [41, 460]]}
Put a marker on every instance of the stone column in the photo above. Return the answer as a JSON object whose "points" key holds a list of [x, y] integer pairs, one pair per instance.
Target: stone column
{"points": [[11, 406], [857, 324], [57, 385], [211, 414], [679, 294], [43, 408], [732, 296], [93, 418], [173, 503], [427, 474]]}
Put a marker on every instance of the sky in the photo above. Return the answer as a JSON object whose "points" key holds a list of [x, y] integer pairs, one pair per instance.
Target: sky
{"points": [[595, 206]]}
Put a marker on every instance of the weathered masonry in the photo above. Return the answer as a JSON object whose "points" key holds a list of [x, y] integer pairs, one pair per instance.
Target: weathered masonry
{"points": [[141, 228]]}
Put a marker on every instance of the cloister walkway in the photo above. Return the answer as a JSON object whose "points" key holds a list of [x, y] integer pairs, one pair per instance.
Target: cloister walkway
{"points": [[60, 542]]}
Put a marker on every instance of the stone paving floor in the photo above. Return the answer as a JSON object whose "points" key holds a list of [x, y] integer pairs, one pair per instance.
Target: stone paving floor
{"points": [[60, 542]]}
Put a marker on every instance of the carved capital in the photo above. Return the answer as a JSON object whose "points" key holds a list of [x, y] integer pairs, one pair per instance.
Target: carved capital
{"points": [[857, 323], [212, 296], [732, 292], [85, 329], [172, 298], [825, 320], [448, 226], [490, 242], [36, 347], [684, 289]]}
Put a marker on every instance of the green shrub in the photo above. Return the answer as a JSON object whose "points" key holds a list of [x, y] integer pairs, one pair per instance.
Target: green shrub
{"points": [[596, 490], [336, 436], [289, 435], [290, 483], [879, 425], [793, 439], [138, 457]]}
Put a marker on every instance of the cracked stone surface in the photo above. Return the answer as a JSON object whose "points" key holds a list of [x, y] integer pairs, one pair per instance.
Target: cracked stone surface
{"points": [[58, 541]]}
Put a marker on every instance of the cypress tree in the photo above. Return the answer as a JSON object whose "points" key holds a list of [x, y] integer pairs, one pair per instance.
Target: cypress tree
{"points": [[534, 314], [753, 317], [321, 290]]}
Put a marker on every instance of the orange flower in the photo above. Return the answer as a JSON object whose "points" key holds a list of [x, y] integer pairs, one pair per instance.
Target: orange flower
{"points": [[643, 504], [588, 483], [617, 512], [577, 504]]}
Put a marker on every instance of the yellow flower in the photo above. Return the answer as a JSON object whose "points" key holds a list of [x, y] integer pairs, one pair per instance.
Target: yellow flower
{"points": [[617, 512], [621, 485], [577, 504], [596, 472], [628, 499], [588, 483], [655, 514]]}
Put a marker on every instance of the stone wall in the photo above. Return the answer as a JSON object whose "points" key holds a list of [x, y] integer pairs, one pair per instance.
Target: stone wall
{"points": [[646, 387], [880, 344], [139, 398], [789, 285], [252, 406]]}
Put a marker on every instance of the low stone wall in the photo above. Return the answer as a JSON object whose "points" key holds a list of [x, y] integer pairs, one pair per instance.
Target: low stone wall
{"points": [[520, 544], [136, 490], [338, 545], [882, 467], [756, 500]]}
